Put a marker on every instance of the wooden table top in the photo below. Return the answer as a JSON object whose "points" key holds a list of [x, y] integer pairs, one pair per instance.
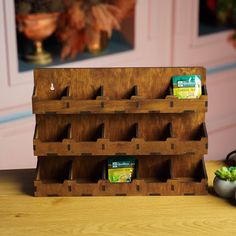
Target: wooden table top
{"points": [[23, 214]]}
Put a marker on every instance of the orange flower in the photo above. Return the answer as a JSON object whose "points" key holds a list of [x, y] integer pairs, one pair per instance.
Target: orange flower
{"points": [[76, 16], [75, 43], [104, 18]]}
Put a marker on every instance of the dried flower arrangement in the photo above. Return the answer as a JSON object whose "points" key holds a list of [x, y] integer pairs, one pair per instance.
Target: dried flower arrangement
{"points": [[83, 23]]}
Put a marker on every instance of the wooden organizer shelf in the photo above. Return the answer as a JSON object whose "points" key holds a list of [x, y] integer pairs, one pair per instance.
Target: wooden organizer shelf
{"points": [[72, 141], [131, 94], [163, 175], [83, 116]]}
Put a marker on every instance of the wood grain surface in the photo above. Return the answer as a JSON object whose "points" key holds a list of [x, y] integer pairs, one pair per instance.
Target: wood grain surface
{"points": [[112, 90], [119, 128], [23, 214]]}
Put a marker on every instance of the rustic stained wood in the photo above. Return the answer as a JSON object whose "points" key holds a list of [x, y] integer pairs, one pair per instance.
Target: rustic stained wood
{"points": [[85, 115], [112, 90]]}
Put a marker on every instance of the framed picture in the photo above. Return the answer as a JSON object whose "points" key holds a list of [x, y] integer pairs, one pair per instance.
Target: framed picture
{"points": [[195, 38]]}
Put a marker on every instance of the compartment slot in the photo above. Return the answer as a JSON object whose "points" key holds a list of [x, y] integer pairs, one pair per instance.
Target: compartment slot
{"points": [[154, 169], [132, 92], [125, 133], [187, 168], [66, 93], [82, 128], [186, 133], [153, 87], [88, 169], [56, 134], [100, 92], [135, 93], [158, 132], [89, 133], [53, 169], [168, 92], [52, 91], [124, 94], [93, 92]]}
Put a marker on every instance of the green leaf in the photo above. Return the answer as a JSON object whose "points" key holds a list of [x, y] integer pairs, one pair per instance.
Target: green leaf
{"points": [[225, 173]]}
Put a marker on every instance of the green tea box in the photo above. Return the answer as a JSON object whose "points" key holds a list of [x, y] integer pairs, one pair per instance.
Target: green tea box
{"points": [[187, 86]]}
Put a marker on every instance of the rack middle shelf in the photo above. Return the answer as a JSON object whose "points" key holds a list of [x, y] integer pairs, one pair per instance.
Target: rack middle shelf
{"points": [[76, 139]]}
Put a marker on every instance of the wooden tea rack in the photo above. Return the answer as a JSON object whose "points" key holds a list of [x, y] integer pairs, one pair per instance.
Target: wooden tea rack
{"points": [[83, 116]]}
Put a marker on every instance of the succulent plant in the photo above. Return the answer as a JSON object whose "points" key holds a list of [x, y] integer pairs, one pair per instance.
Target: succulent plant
{"points": [[227, 173]]}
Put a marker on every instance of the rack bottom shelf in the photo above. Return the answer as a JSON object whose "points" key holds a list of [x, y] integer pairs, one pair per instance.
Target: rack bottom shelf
{"points": [[138, 187]]}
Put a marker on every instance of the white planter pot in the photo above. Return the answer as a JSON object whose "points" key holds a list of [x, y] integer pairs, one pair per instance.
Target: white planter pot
{"points": [[224, 188]]}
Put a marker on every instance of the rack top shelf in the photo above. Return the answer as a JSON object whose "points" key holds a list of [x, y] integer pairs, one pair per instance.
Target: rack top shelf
{"points": [[114, 83]]}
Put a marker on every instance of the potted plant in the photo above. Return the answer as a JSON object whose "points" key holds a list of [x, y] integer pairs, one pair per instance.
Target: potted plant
{"points": [[38, 20], [225, 182]]}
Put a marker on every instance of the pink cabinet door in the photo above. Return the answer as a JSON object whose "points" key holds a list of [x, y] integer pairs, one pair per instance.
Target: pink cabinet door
{"points": [[214, 52], [191, 49]]}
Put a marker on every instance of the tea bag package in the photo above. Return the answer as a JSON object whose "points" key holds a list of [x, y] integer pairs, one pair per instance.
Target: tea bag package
{"points": [[187, 86], [121, 169]]}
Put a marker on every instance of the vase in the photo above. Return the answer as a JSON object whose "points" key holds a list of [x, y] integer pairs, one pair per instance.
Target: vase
{"points": [[98, 42], [38, 27], [224, 188]]}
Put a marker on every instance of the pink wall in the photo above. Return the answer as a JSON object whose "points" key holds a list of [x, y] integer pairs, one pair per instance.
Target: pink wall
{"points": [[163, 37], [221, 117]]}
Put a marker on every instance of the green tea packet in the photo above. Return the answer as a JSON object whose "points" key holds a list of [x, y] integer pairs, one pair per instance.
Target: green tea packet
{"points": [[187, 86], [121, 169]]}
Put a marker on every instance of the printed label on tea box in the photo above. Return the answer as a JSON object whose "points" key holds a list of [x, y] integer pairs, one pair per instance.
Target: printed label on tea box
{"points": [[121, 169], [187, 86]]}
